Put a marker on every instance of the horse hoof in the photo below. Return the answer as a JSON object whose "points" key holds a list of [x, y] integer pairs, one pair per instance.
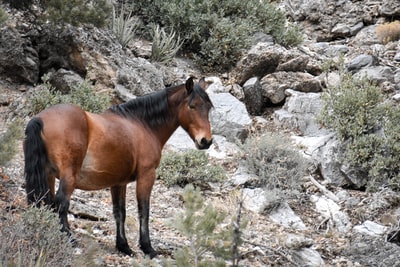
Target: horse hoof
{"points": [[150, 252], [153, 254], [126, 250], [73, 241]]}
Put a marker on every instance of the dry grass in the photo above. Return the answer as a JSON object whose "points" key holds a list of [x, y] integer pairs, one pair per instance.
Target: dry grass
{"points": [[388, 32]]}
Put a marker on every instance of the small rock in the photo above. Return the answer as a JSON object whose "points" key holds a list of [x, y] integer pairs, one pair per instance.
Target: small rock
{"points": [[285, 216]]}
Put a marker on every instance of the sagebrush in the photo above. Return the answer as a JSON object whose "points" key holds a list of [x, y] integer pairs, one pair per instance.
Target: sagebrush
{"points": [[279, 168], [34, 239], [274, 160], [63, 12], [190, 167]]}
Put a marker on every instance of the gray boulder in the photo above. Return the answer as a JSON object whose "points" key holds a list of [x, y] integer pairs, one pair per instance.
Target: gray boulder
{"points": [[253, 98], [360, 62], [299, 113], [64, 80], [275, 84], [229, 117]]}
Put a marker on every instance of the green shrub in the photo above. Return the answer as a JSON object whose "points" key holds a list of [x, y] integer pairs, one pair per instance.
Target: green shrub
{"points": [[43, 97], [8, 145], [218, 31], [188, 167], [164, 46], [34, 239], [76, 12], [210, 244], [368, 127], [60, 12], [82, 95], [351, 108], [225, 45]]}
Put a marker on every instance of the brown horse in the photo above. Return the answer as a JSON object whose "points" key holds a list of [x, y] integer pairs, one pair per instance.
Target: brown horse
{"points": [[109, 150]]}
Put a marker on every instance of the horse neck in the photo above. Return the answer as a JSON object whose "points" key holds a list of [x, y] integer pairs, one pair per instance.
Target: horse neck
{"points": [[164, 131]]}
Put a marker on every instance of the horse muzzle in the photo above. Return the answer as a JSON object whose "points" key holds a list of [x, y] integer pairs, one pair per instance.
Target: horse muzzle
{"points": [[204, 143]]}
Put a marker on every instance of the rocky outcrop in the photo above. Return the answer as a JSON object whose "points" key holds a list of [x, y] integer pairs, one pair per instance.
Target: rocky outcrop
{"points": [[19, 61]]}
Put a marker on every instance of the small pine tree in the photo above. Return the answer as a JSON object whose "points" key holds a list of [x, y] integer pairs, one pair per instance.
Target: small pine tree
{"points": [[209, 243]]}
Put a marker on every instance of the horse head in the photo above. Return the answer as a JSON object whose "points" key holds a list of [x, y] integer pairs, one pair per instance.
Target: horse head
{"points": [[194, 115]]}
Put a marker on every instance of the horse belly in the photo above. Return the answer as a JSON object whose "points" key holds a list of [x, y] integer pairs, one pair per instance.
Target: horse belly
{"points": [[96, 174]]}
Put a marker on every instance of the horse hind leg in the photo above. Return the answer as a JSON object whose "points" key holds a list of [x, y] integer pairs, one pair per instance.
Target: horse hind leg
{"points": [[62, 201], [118, 195]]}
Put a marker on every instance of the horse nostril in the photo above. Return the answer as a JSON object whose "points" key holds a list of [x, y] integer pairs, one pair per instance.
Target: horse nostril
{"points": [[205, 143]]}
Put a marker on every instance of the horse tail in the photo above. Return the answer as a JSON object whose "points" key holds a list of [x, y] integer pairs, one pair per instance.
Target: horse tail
{"points": [[36, 181]]}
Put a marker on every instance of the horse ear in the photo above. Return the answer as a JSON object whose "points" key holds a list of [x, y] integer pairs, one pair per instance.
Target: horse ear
{"points": [[202, 83], [189, 85]]}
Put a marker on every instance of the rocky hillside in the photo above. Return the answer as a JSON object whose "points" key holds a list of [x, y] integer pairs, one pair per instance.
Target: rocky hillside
{"points": [[333, 221]]}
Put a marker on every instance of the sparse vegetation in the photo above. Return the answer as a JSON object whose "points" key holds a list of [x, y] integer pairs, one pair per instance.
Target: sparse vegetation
{"points": [[34, 239], [85, 96], [192, 167], [388, 32], [82, 95]]}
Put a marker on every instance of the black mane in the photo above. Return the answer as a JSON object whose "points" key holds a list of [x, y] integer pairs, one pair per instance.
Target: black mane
{"points": [[153, 109]]}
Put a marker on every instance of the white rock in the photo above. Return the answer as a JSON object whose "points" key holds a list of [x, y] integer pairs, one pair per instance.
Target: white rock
{"points": [[285, 216], [254, 199], [370, 228], [308, 257], [338, 220]]}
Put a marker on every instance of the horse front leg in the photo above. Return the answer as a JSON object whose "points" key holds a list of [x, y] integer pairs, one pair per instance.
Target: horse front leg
{"points": [[143, 191], [118, 195]]}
